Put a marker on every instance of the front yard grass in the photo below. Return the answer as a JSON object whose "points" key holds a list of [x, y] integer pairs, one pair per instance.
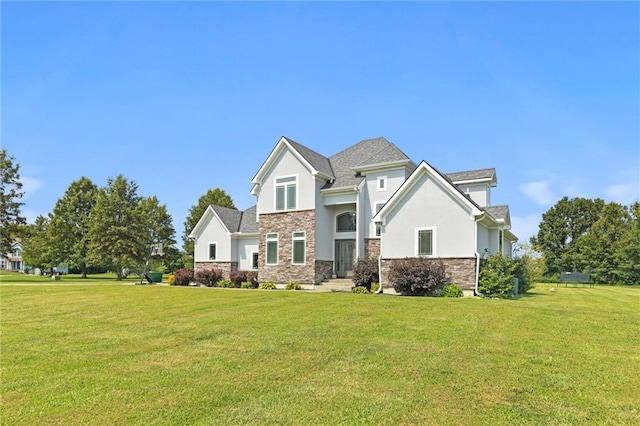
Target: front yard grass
{"points": [[105, 354]]}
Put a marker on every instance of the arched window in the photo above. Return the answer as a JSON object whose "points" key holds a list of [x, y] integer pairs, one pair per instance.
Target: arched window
{"points": [[346, 222]]}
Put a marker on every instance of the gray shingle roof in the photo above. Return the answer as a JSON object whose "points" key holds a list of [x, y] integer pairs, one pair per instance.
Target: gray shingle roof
{"points": [[472, 175], [317, 161], [364, 153], [498, 212], [236, 220]]}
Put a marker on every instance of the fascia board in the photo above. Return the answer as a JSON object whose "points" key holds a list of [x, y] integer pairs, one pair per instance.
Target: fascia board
{"points": [[384, 166], [208, 213], [281, 145]]}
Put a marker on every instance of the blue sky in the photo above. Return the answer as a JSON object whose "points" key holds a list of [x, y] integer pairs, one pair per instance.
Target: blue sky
{"points": [[184, 97]]}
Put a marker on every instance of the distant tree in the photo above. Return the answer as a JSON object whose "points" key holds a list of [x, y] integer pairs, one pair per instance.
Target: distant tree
{"points": [[560, 228], [159, 229], [595, 250], [10, 194], [69, 228], [118, 233], [627, 253], [216, 197], [36, 245]]}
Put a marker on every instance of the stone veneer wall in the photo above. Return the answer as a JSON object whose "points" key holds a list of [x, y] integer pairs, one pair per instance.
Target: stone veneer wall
{"points": [[226, 267], [285, 224], [462, 271], [372, 247]]}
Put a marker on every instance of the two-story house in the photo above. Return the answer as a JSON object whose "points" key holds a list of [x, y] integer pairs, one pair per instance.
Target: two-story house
{"points": [[316, 215]]}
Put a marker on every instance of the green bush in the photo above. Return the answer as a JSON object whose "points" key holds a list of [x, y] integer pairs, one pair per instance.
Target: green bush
{"points": [[226, 284], [375, 286], [246, 284], [292, 285], [365, 272], [359, 290], [267, 286], [451, 290], [417, 276], [496, 276]]}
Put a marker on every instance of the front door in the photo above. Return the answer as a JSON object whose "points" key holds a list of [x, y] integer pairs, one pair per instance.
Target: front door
{"points": [[345, 254]]}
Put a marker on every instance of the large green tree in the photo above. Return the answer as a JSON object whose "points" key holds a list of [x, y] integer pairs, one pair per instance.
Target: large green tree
{"points": [[69, 228], [561, 226], [37, 250], [10, 195], [627, 254], [159, 229], [217, 197], [117, 231]]}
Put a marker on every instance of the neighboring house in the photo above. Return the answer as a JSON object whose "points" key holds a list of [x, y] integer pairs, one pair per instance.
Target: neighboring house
{"points": [[316, 215], [13, 261]]}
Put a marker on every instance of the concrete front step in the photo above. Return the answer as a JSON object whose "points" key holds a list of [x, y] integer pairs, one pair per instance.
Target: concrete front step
{"points": [[336, 284]]}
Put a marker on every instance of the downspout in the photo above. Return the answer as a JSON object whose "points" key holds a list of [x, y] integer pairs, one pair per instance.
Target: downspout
{"points": [[477, 292], [379, 290]]}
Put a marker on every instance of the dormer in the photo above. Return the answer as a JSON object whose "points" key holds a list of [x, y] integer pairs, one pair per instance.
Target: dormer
{"points": [[476, 184]]}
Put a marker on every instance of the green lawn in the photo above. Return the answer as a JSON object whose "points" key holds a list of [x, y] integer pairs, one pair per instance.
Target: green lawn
{"points": [[124, 354]]}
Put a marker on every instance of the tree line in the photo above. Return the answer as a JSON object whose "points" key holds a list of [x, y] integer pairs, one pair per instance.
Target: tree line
{"points": [[591, 236], [97, 228]]}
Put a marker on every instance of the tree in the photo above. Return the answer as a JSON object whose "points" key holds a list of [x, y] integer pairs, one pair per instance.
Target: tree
{"points": [[627, 254], [215, 197], [117, 232], [159, 229], [10, 194], [36, 245], [69, 227], [562, 225], [595, 250]]}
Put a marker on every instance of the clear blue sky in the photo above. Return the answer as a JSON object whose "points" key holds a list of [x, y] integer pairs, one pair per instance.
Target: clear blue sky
{"points": [[184, 97]]}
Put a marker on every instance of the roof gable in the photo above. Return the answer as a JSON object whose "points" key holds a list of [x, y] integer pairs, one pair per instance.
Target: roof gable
{"points": [[474, 176], [500, 213], [425, 168], [234, 221]]}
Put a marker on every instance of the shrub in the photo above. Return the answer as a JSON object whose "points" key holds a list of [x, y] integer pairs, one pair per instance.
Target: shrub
{"points": [[292, 285], [417, 276], [359, 290], [171, 280], [365, 272], [208, 277], [183, 276], [239, 277], [246, 284], [496, 276], [267, 286], [451, 290], [375, 286], [226, 284]]}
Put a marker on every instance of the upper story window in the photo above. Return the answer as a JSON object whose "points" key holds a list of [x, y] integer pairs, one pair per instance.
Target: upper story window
{"points": [[213, 248], [425, 242], [382, 183], [16, 252], [379, 207], [346, 222], [286, 190]]}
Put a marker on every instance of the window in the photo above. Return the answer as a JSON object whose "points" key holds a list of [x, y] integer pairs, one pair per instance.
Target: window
{"points": [[212, 251], [272, 249], [379, 207], [425, 242], [254, 261], [346, 222], [382, 183], [299, 248], [286, 193]]}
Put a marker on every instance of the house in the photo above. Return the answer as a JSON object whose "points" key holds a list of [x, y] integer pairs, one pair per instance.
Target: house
{"points": [[316, 215], [12, 261]]}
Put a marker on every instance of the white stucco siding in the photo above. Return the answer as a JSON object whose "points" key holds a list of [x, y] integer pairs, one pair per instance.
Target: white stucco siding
{"points": [[481, 194], [213, 232], [287, 164], [494, 241], [483, 239], [324, 240], [245, 249], [373, 195], [429, 205]]}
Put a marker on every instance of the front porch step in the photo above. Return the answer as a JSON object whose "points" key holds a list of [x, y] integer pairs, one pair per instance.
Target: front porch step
{"points": [[336, 284]]}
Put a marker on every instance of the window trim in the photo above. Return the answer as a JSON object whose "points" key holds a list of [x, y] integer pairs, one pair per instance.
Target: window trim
{"points": [[214, 244], [295, 239], [433, 241], [381, 180], [271, 238], [285, 183]]}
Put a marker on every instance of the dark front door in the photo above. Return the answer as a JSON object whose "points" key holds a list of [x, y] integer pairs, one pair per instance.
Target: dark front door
{"points": [[345, 254]]}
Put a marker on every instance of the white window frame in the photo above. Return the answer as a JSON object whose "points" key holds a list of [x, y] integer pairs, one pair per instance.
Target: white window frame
{"points": [[286, 182], [381, 184], [433, 241], [297, 238], [215, 244], [270, 238], [377, 228]]}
